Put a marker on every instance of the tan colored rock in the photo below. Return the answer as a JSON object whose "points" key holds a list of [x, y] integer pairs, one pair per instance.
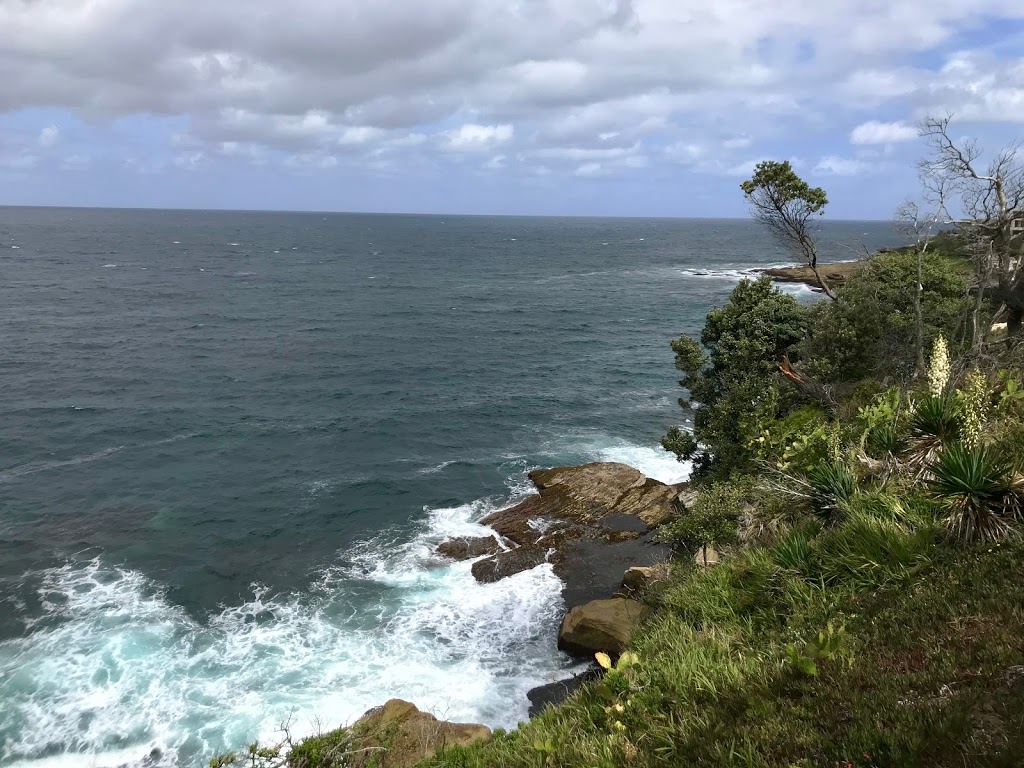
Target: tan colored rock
{"points": [[707, 556], [639, 578], [398, 735], [585, 495], [601, 625]]}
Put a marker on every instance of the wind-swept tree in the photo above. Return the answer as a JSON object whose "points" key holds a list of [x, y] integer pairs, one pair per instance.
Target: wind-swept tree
{"points": [[990, 198], [787, 206]]}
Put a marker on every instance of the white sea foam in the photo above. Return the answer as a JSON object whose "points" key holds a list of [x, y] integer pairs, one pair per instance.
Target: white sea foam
{"points": [[107, 266], [114, 670]]}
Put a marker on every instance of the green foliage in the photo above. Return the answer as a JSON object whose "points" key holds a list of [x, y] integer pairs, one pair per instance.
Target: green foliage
{"points": [[869, 329], [735, 382], [797, 441], [935, 422], [832, 485], [829, 645], [713, 519], [981, 491], [780, 182]]}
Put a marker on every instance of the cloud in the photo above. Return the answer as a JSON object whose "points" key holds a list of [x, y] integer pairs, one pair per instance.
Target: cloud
{"points": [[49, 136], [571, 87], [833, 165], [874, 132], [476, 138]]}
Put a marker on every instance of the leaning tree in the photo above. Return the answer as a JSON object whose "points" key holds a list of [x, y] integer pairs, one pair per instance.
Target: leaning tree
{"points": [[787, 205]]}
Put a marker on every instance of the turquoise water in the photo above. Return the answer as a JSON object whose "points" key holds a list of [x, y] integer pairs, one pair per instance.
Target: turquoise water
{"points": [[230, 442]]}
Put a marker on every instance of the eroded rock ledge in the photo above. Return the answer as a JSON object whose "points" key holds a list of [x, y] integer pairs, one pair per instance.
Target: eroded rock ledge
{"points": [[590, 522]]}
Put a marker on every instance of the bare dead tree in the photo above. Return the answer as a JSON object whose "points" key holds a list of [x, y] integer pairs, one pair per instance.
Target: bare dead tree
{"points": [[990, 199], [922, 226]]}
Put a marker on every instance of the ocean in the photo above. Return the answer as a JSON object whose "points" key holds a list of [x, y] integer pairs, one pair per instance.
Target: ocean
{"points": [[231, 440]]}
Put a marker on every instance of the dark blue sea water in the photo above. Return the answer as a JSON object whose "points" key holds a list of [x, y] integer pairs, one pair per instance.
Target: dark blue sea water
{"points": [[230, 441]]}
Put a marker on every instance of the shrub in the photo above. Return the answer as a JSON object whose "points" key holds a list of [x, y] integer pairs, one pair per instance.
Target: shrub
{"points": [[981, 491], [869, 329], [936, 421]]}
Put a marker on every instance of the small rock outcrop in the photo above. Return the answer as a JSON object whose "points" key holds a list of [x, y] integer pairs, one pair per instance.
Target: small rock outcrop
{"points": [[574, 510], [398, 735], [601, 625], [509, 563], [707, 556]]}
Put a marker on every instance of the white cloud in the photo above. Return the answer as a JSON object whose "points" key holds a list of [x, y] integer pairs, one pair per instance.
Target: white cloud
{"points": [[833, 165], [49, 136], [474, 138], [874, 132], [379, 81]]}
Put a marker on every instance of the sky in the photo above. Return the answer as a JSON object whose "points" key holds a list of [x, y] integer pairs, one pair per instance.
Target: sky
{"points": [[553, 107]]}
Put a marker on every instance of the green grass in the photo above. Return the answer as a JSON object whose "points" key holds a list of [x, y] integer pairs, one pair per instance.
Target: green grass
{"points": [[926, 670]]}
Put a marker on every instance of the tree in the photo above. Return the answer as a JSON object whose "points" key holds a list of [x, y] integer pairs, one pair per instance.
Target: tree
{"points": [[786, 205], [991, 198], [871, 329], [733, 378], [922, 226]]}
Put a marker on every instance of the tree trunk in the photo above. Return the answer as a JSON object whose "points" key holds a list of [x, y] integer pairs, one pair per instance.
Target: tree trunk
{"points": [[821, 281]]}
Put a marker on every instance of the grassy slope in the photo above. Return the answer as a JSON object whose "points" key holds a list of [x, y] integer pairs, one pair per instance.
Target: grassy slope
{"points": [[932, 677]]}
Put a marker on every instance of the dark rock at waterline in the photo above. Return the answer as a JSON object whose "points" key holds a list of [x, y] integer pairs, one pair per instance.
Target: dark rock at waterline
{"points": [[592, 568], [468, 547], [555, 693], [505, 564], [601, 626]]}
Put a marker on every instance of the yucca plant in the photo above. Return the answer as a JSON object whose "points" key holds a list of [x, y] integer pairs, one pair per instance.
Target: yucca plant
{"points": [[832, 484], [936, 421], [980, 489]]}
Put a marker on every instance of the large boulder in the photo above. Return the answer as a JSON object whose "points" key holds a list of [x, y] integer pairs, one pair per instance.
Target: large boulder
{"points": [[639, 579], [601, 625], [398, 735]]}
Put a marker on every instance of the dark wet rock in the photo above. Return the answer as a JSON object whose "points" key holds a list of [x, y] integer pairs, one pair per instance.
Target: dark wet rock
{"points": [[592, 568], [618, 523], [554, 693], [468, 547], [601, 625], [505, 564]]}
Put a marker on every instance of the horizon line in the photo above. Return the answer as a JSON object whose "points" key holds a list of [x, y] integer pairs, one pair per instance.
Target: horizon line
{"points": [[184, 209]]}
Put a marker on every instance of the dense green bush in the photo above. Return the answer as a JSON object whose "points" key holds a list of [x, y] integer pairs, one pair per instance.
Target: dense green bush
{"points": [[732, 379], [870, 329]]}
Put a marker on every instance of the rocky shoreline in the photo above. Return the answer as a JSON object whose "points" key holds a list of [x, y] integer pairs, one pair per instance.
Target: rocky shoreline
{"points": [[596, 525], [835, 274]]}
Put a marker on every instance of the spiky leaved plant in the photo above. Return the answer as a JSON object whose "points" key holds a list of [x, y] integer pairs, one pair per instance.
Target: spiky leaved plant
{"points": [[936, 421], [831, 485], [938, 368], [981, 491]]}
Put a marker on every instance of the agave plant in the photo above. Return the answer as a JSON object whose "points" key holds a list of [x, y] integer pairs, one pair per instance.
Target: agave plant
{"points": [[981, 490], [936, 421]]}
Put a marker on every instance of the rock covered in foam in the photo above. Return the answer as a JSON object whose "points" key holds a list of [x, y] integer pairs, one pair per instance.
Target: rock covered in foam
{"points": [[398, 735], [469, 547], [601, 625]]}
